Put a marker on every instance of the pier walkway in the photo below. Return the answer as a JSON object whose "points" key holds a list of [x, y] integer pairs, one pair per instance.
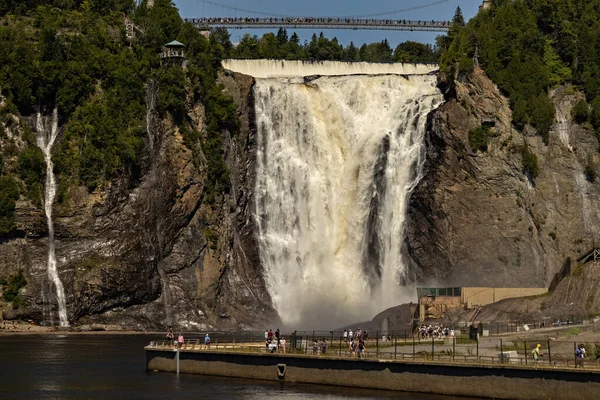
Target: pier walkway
{"points": [[458, 350]]}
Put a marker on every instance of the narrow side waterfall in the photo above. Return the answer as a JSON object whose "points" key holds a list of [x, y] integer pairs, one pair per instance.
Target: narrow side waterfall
{"points": [[337, 160], [155, 229], [45, 141]]}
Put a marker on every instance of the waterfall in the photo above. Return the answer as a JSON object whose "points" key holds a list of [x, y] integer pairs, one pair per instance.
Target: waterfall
{"points": [[155, 229], [280, 68], [337, 160], [45, 141]]}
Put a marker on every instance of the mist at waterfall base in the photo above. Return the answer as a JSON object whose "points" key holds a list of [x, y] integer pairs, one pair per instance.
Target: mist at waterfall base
{"points": [[336, 162]]}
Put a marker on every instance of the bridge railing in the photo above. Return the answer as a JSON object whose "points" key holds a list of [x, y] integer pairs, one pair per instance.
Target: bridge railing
{"points": [[553, 354], [344, 23], [401, 346]]}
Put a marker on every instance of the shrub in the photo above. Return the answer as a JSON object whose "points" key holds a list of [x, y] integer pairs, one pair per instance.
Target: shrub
{"points": [[580, 112], [590, 169], [595, 113], [542, 115], [530, 163], [479, 138], [9, 193], [11, 287]]}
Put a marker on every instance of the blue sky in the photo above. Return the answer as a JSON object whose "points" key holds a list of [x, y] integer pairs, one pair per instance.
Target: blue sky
{"points": [[325, 8]]}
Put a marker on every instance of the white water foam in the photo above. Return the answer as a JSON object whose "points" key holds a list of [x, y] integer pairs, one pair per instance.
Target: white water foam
{"points": [[280, 68], [337, 159], [45, 141]]}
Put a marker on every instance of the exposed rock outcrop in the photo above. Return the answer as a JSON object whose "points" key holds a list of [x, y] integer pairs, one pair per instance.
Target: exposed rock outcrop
{"points": [[156, 254], [477, 219]]}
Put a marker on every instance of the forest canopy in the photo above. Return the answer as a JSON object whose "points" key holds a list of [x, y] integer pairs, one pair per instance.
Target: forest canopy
{"points": [[528, 47]]}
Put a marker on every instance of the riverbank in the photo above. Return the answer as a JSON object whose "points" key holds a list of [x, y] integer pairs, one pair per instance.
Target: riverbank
{"points": [[26, 328]]}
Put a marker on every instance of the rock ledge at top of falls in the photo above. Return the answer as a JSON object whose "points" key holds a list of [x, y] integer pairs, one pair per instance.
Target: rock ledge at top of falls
{"points": [[287, 69], [476, 220]]}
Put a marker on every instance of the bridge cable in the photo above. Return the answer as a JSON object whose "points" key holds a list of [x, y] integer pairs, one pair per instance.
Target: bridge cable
{"points": [[212, 3], [398, 11], [254, 12]]}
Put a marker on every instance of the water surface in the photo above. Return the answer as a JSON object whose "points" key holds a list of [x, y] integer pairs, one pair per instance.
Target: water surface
{"points": [[113, 367]]}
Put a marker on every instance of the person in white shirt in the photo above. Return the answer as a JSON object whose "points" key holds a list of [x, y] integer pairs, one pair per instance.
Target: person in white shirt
{"points": [[282, 345], [345, 335]]}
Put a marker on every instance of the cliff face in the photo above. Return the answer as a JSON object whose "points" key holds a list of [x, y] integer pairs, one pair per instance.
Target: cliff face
{"points": [[477, 219], [159, 253], [156, 254]]}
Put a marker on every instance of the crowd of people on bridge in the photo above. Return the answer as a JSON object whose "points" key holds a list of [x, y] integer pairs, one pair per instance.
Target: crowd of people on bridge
{"points": [[310, 20]]}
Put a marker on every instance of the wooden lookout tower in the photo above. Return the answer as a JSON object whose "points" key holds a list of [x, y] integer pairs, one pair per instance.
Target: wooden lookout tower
{"points": [[173, 53]]}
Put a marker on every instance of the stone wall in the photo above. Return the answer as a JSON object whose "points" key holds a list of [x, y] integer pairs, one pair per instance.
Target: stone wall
{"points": [[500, 382]]}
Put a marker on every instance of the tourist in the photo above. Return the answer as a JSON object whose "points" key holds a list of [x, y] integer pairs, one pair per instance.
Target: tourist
{"points": [[266, 334], [294, 338], [323, 346], [282, 345], [536, 354], [270, 335], [277, 334], [207, 341], [579, 355], [350, 335], [272, 347], [170, 335], [361, 349], [353, 348], [315, 347], [345, 335], [180, 340]]}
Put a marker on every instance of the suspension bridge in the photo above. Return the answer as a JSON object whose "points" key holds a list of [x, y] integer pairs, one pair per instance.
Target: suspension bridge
{"points": [[240, 18], [320, 23]]}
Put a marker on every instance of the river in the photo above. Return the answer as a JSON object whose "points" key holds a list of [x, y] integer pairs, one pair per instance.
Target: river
{"points": [[101, 366]]}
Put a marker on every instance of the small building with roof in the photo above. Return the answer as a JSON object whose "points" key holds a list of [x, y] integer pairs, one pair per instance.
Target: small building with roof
{"points": [[434, 302], [173, 52]]}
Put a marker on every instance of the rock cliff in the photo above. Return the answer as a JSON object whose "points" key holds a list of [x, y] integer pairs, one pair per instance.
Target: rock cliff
{"points": [[476, 219], [158, 253]]}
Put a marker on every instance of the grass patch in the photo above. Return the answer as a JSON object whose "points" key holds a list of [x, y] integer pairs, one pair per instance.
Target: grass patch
{"points": [[537, 296], [574, 331], [577, 270]]}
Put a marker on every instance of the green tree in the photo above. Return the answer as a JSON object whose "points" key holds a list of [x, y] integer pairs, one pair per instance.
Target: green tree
{"points": [[248, 47], [530, 163], [9, 193], [414, 52], [350, 53], [479, 138], [580, 112]]}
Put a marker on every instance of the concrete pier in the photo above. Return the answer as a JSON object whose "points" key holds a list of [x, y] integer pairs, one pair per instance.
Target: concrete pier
{"points": [[492, 381]]}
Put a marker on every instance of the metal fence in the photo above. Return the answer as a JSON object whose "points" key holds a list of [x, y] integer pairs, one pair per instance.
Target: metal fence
{"points": [[400, 345]]}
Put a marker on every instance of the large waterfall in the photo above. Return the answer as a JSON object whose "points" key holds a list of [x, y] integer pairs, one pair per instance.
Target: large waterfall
{"points": [[45, 141], [337, 159]]}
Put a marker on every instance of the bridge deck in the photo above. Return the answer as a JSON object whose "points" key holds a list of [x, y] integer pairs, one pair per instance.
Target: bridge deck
{"points": [[321, 23]]}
